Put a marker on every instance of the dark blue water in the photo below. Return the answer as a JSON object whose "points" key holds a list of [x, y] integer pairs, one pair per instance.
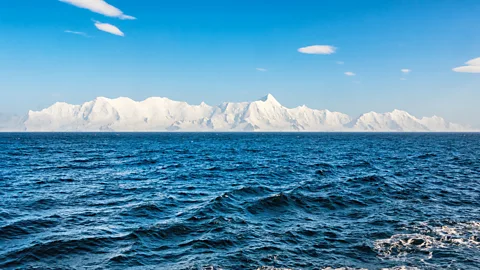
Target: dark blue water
{"points": [[239, 201]]}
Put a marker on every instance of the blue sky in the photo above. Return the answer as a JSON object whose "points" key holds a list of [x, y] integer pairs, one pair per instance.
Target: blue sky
{"points": [[211, 51]]}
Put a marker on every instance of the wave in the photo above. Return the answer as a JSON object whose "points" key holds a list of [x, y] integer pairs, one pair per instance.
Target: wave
{"points": [[426, 156], [342, 268], [362, 164], [54, 249], [163, 231], [400, 245], [143, 162], [85, 160], [249, 191], [24, 227], [297, 201], [427, 238], [322, 165], [67, 167], [208, 243], [368, 179], [272, 268], [171, 166], [44, 204], [144, 210]]}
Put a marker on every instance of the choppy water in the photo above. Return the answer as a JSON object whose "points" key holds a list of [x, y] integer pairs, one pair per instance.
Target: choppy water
{"points": [[240, 201]]}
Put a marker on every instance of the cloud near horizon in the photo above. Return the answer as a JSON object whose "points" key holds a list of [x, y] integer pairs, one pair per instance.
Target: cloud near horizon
{"points": [[472, 66], [318, 49], [106, 27], [100, 7], [261, 69], [349, 73]]}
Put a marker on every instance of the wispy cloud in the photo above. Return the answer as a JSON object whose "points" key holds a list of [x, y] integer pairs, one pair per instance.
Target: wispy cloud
{"points": [[76, 33], [318, 49], [405, 70], [106, 27], [262, 69], [472, 66], [403, 79], [340, 62], [101, 7], [349, 73]]}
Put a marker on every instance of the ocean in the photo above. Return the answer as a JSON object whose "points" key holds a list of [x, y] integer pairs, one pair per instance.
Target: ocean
{"points": [[239, 201]]}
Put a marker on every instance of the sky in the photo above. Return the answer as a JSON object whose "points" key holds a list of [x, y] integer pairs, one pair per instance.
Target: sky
{"points": [[344, 55]]}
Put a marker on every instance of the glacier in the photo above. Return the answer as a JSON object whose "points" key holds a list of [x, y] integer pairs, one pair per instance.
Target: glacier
{"points": [[266, 114]]}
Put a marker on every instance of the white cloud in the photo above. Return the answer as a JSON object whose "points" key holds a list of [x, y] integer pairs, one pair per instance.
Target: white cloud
{"points": [[340, 62], [474, 62], [262, 69], [318, 49], [106, 27], [403, 79], [468, 69], [76, 33], [101, 7], [472, 66], [406, 70], [349, 73]]}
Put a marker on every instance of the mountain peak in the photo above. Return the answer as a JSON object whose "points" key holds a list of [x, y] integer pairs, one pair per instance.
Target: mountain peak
{"points": [[401, 113], [101, 100], [270, 99], [397, 111]]}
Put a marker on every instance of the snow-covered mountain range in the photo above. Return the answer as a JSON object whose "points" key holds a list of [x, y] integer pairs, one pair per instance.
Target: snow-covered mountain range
{"points": [[266, 114]]}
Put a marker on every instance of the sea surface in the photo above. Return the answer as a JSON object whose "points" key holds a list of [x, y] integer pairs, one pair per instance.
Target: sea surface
{"points": [[239, 201]]}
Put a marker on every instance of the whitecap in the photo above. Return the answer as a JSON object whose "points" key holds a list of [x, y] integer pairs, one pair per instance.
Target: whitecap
{"points": [[426, 238]]}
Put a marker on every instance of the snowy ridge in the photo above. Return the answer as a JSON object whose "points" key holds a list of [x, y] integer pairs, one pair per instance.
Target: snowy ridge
{"points": [[266, 114]]}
